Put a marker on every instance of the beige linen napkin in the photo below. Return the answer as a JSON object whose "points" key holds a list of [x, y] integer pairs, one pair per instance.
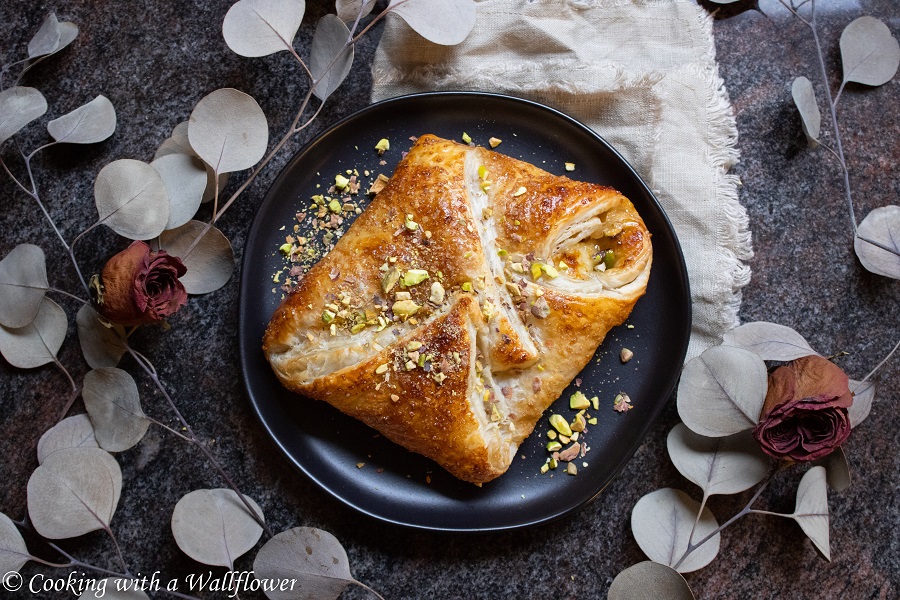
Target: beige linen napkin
{"points": [[642, 74]]}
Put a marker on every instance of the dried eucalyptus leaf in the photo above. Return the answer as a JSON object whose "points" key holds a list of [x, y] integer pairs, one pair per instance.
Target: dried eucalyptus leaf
{"points": [[19, 106], [88, 124], [331, 56], [13, 551], [46, 40], [173, 146], [811, 510], [185, 179], [131, 199], [313, 558], [262, 27], [445, 22], [882, 225], [112, 400], [661, 523], [837, 469], [102, 345], [23, 283], [68, 31], [38, 342], [74, 492], [725, 465], [770, 341], [649, 579], [869, 53], [722, 391], [863, 397], [348, 10], [115, 588], [214, 527], [805, 100], [228, 130], [71, 432], [211, 262]]}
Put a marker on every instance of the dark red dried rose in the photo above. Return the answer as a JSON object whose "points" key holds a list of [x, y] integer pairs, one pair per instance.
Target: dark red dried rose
{"points": [[140, 286], [805, 413]]}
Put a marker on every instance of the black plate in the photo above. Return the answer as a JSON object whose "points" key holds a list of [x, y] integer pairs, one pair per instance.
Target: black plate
{"points": [[395, 485]]}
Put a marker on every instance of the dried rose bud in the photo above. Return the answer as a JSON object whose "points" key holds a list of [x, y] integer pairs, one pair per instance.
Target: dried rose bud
{"points": [[138, 286], [805, 413]]}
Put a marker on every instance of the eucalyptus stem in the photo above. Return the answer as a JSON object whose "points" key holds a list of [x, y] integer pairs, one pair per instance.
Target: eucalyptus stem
{"points": [[192, 438], [74, 562], [881, 364], [838, 152], [368, 589], [743, 512]]}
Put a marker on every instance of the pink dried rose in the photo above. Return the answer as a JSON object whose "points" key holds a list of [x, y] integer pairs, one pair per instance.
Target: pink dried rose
{"points": [[805, 413], [139, 286]]}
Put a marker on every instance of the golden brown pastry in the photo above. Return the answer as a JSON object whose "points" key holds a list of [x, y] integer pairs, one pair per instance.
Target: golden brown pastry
{"points": [[461, 303]]}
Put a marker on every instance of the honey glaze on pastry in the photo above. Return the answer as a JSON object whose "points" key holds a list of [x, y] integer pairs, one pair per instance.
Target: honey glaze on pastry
{"points": [[467, 296]]}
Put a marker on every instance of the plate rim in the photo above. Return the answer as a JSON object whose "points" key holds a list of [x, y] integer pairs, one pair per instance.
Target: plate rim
{"points": [[243, 293]]}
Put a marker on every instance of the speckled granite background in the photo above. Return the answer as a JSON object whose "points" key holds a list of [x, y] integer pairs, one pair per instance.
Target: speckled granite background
{"points": [[154, 59]]}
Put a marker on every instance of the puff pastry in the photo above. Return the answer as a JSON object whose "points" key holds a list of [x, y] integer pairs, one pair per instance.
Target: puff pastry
{"points": [[461, 302]]}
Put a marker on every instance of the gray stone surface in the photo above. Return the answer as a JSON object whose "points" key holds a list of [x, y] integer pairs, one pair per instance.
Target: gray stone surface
{"points": [[155, 59]]}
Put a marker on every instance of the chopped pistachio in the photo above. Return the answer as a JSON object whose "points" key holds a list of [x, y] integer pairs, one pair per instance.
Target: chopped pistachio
{"points": [[334, 206], [427, 235], [579, 401], [625, 355], [327, 316], [466, 138], [485, 185], [482, 172], [553, 463], [502, 253], [467, 286], [592, 420], [405, 308], [536, 271], [383, 146], [437, 293], [410, 365], [286, 249], [495, 414], [622, 403], [413, 346], [544, 468], [520, 191], [517, 267], [563, 266], [357, 328], [421, 360], [554, 446], [578, 424], [540, 308], [395, 398], [439, 377], [390, 279], [402, 296], [560, 424], [332, 329], [570, 166], [564, 439], [595, 402], [487, 212], [378, 184], [609, 259], [414, 277], [571, 469], [410, 224], [549, 271], [341, 182], [551, 434], [413, 355], [575, 435], [494, 142]]}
